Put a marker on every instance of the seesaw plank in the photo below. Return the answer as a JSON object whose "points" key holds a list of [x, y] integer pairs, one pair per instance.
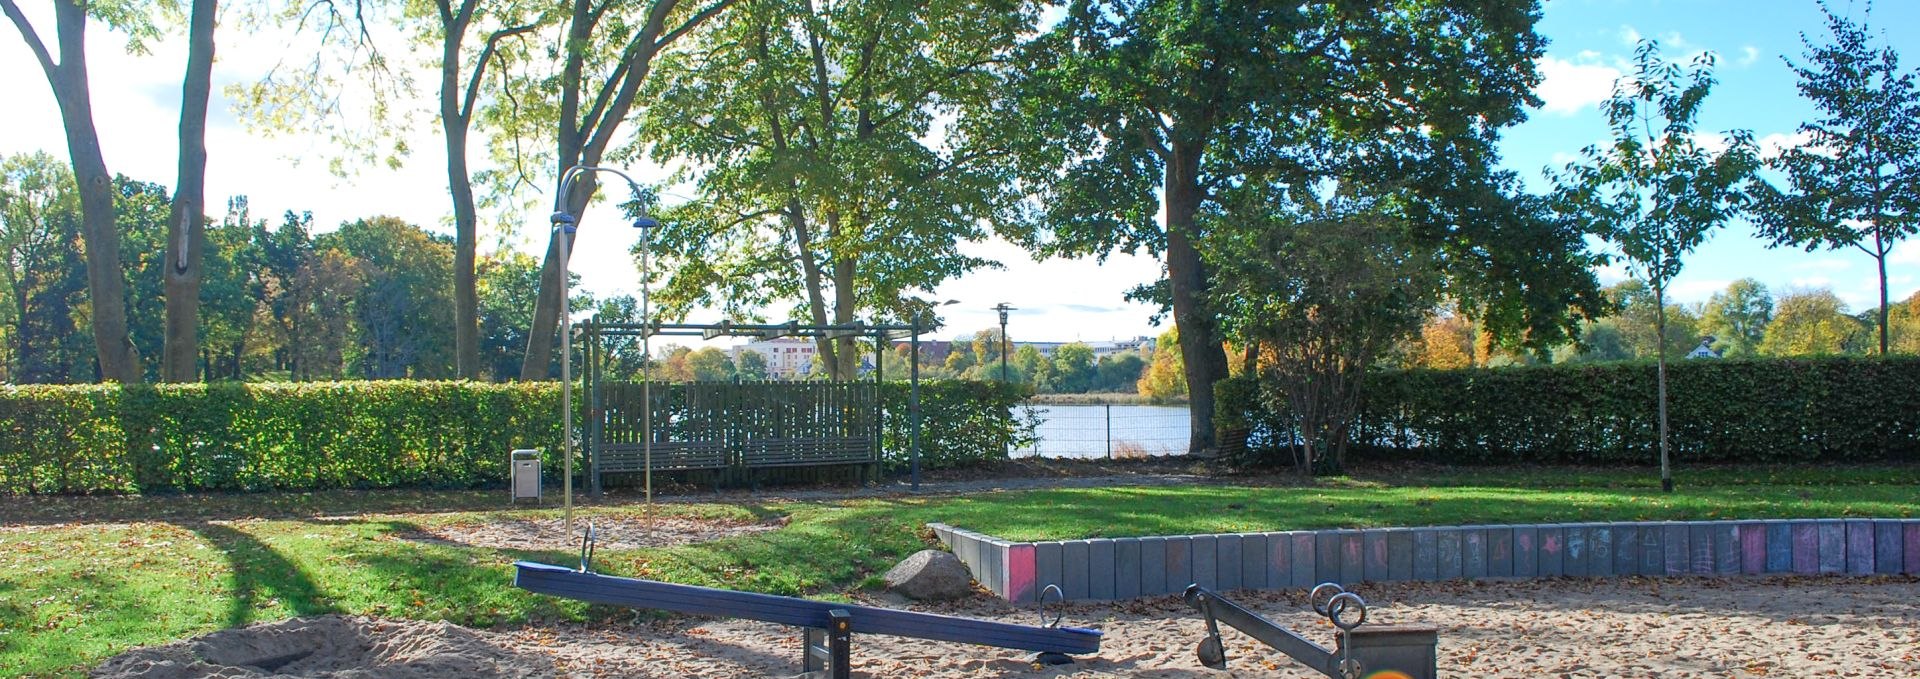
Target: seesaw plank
{"points": [[636, 593]]}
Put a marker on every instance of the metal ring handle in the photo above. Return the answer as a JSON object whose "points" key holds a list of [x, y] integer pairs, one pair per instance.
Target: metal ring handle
{"points": [[587, 540], [1331, 590], [1061, 612], [1343, 603]]}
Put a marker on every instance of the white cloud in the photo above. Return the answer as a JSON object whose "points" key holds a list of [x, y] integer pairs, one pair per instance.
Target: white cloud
{"points": [[1697, 290], [1674, 40], [1824, 264], [1629, 36], [1906, 253], [1748, 55], [1812, 282], [1772, 145], [1567, 87]]}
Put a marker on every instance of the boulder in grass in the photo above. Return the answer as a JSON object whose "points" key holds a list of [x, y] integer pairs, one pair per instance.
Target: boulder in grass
{"points": [[931, 575]]}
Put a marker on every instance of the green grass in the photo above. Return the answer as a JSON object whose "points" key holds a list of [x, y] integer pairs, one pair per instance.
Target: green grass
{"points": [[84, 578]]}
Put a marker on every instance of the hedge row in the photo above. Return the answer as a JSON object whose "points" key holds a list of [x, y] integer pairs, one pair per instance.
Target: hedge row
{"points": [[317, 435], [1762, 410]]}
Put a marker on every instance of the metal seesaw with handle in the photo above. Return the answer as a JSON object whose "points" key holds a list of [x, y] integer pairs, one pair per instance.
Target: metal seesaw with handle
{"points": [[829, 626]]}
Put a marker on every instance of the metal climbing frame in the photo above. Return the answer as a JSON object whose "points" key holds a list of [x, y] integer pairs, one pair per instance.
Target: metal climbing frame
{"points": [[1398, 651]]}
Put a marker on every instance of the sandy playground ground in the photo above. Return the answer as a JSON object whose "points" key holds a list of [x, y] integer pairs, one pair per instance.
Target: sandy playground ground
{"points": [[1692, 627]]}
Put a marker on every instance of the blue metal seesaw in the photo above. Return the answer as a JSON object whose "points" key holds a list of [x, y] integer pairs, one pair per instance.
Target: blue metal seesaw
{"points": [[829, 625]]}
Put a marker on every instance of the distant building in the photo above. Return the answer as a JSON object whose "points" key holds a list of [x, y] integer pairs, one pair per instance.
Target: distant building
{"points": [[1705, 350], [787, 357]]}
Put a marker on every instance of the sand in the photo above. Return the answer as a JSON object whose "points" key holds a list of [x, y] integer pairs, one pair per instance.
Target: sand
{"points": [[613, 531], [1633, 627], [333, 647]]}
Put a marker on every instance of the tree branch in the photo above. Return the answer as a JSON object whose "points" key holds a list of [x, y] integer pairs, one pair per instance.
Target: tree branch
{"points": [[691, 23], [480, 68], [33, 39]]}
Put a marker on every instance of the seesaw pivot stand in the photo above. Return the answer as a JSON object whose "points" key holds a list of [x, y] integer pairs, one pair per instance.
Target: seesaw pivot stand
{"points": [[1379, 651]]}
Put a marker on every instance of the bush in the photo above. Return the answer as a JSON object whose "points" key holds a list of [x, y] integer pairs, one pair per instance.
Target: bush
{"points": [[145, 438], [381, 434], [1760, 410], [962, 422]]}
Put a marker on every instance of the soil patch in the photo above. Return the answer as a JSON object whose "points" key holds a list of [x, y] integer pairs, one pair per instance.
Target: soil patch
{"points": [[334, 647], [612, 532]]}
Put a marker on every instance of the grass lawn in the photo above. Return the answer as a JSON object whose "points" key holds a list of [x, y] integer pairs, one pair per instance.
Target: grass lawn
{"points": [[84, 578]]}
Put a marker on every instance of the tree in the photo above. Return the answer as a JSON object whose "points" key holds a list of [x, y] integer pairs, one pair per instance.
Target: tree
{"points": [[1034, 369], [1737, 317], [1812, 323], [752, 365], [1656, 192], [141, 214], [1165, 378], [457, 108], [508, 282], [1601, 341], [405, 276], [710, 364], [106, 289], [1327, 292], [1906, 325], [603, 66], [187, 223], [1856, 183], [1639, 323], [836, 154], [323, 296], [1120, 373], [1140, 108], [45, 279], [1446, 343], [1073, 368]]}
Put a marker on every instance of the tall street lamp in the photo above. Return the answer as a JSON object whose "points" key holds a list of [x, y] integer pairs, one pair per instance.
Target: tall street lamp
{"points": [[564, 225], [1003, 308]]}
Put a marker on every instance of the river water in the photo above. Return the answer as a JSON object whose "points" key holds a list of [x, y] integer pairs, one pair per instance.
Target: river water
{"points": [[1117, 430]]}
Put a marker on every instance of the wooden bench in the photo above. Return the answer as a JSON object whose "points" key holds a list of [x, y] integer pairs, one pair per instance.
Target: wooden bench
{"points": [[802, 452], [667, 456]]}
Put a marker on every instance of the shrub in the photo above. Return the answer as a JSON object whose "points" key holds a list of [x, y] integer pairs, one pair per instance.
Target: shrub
{"points": [[378, 434], [1761, 410]]}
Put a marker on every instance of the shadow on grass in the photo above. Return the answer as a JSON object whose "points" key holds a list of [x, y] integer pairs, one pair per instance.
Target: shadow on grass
{"points": [[261, 575]]}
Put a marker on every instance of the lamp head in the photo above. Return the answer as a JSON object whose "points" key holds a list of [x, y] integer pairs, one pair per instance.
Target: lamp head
{"points": [[563, 221], [645, 222]]}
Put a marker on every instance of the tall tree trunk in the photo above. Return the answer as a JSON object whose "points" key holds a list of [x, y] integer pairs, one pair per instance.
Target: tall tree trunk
{"points": [[1880, 259], [810, 271], [186, 242], [1660, 352], [106, 284], [1200, 350], [466, 296]]}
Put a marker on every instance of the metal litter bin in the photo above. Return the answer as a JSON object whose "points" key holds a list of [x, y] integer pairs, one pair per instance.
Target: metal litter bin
{"points": [[525, 463]]}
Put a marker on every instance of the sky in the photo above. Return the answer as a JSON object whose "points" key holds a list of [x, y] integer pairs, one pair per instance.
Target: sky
{"points": [[136, 100]]}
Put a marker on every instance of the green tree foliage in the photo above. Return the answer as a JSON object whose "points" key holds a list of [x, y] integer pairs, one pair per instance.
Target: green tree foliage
{"points": [[405, 279], [1856, 183], [1033, 369], [1737, 317], [45, 278], [508, 282], [1164, 379], [752, 365], [1905, 320], [1655, 191], [1328, 294], [1072, 369], [710, 364], [141, 210], [835, 155], [1812, 323], [1163, 107], [1119, 373]]}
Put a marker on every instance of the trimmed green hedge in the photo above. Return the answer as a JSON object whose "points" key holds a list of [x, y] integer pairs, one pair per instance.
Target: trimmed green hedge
{"points": [[1762, 410], [95, 438], [962, 422], [383, 434]]}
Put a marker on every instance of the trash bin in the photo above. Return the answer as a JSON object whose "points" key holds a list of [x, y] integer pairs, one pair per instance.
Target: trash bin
{"points": [[526, 474]]}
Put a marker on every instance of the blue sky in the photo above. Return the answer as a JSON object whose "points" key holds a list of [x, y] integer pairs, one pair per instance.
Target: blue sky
{"points": [[136, 99], [1592, 40]]}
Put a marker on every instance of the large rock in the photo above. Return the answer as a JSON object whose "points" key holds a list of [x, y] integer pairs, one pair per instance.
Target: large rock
{"points": [[931, 575]]}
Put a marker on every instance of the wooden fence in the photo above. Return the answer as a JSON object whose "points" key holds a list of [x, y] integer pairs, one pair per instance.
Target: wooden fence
{"points": [[721, 432]]}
